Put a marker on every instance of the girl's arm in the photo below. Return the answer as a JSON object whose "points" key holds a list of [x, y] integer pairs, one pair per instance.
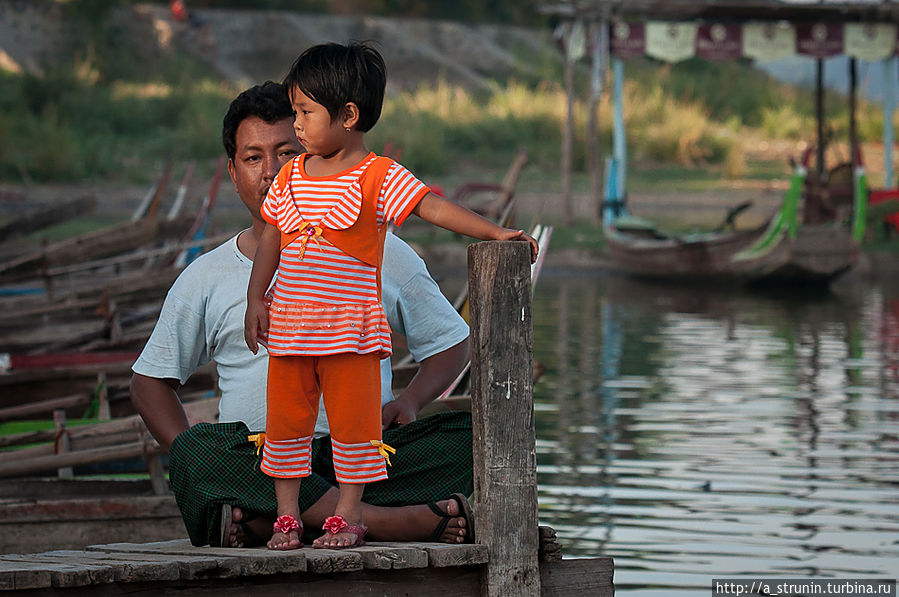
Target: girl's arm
{"points": [[265, 263], [456, 218]]}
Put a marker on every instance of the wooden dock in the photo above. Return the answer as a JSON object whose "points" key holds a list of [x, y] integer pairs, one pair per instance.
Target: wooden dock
{"points": [[388, 569], [514, 556]]}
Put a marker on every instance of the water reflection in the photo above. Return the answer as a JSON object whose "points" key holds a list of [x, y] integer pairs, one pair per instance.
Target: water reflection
{"points": [[694, 434]]}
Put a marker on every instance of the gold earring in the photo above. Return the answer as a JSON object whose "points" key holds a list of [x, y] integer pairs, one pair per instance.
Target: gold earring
{"points": [[347, 129]]}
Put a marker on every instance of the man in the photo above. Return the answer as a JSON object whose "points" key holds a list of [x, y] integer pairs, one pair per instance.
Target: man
{"points": [[214, 468]]}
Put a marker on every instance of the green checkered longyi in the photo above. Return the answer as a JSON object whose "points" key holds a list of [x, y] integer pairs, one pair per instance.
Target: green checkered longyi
{"points": [[214, 464]]}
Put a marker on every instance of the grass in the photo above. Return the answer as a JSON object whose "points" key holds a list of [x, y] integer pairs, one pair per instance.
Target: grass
{"points": [[93, 119]]}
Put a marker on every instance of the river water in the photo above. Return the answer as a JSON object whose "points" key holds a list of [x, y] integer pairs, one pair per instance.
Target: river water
{"points": [[694, 434]]}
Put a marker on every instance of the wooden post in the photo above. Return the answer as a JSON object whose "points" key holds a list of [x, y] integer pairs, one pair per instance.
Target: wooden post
{"points": [[598, 60], [819, 118], [62, 444], [103, 412], [504, 440], [568, 142], [154, 463]]}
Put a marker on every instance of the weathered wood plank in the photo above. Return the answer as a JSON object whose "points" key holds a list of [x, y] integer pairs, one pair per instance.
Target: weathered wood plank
{"points": [[107, 509], [31, 537], [135, 567], [82, 457], [442, 555], [391, 556], [19, 576], [253, 562], [420, 582], [504, 439], [65, 573], [564, 578], [74, 571], [330, 561], [47, 216]]}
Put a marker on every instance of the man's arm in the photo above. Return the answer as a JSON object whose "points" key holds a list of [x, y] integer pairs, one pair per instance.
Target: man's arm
{"points": [[436, 335], [434, 375], [157, 402]]}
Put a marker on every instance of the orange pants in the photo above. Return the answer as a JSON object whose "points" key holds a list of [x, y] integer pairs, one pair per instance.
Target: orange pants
{"points": [[350, 385]]}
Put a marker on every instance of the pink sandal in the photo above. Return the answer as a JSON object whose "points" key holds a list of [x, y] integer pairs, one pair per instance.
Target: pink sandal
{"points": [[337, 524], [285, 524]]}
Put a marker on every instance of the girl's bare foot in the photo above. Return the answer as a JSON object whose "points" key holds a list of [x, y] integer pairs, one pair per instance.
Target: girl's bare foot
{"points": [[286, 533], [282, 541], [351, 535]]}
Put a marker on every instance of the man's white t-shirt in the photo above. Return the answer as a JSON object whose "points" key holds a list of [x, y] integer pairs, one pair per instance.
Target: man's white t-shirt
{"points": [[202, 320]]}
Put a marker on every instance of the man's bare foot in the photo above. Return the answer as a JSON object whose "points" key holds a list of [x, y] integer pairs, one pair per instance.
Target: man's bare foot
{"points": [[455, 530], [248, 530]]}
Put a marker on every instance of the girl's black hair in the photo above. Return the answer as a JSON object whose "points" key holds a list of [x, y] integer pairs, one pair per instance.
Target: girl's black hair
{"points": [[334, 74]]}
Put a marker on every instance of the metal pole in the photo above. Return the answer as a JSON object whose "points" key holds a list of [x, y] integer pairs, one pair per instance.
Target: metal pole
{"points": [[619, 143], [889, 107]]}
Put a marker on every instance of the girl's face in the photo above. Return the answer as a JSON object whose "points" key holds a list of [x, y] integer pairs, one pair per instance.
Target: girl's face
{"points": [[313, 126]]}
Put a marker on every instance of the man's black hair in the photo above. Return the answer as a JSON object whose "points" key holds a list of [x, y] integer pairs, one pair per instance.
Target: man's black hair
{"points": [[268, 102], [335, 74]]}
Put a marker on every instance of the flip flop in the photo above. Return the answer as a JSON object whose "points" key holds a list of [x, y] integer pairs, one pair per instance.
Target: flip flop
{"points": [[441, 526], [466, 513], [224, 526], [227, 519]]}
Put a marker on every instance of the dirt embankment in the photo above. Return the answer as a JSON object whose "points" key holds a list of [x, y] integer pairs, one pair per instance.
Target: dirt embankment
{"points": [[248, 46]]}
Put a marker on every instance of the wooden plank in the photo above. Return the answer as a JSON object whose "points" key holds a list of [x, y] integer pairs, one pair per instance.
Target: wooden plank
{"points": [[47, 216], [589, 576], [391, 556], [97, 508], [253, 562], [420, 582], [19, 576], [190, 567], [330, 561], [44, 406], [74, 568], [444, 555], [66, 573], [95, 455], [504, 438], [101, 243]]}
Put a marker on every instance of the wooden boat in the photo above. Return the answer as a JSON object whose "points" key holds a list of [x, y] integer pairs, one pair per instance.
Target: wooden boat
{"points": [[815, 250]]}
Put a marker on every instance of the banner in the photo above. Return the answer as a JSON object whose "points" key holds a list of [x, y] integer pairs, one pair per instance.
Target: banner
{"points": [[819, 40], [766, 42], [719, 42], [671, 42], [869, 41], [628, 40]]}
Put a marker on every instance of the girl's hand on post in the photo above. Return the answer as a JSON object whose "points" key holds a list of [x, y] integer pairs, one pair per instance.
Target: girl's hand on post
{"points": [[509, 234]]}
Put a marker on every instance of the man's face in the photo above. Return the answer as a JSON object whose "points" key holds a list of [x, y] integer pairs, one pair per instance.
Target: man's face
{"points": [[262, 148]]}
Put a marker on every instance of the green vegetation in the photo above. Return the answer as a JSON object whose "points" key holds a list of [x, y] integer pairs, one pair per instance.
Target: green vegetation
{"points": [[96, 116]]}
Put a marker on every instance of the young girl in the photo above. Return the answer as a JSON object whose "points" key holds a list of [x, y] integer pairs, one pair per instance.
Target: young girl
{"points": [[322, 322]]}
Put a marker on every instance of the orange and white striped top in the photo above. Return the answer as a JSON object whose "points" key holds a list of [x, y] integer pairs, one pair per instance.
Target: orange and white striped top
{"points": [[325, 301]]}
